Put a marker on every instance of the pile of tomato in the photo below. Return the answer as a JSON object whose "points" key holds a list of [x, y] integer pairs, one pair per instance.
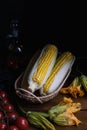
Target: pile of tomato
{"points": [[9, 118]]}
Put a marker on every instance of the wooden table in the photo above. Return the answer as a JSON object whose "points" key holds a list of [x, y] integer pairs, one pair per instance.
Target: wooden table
{"points": [[81, 115]]}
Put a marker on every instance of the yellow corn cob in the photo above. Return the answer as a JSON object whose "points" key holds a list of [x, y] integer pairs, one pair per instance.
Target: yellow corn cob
{"points": [[42, 68], [58, 73], [44, 64]]}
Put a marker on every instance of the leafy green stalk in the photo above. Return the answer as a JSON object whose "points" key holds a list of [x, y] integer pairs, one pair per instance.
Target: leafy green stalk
{"points": [[83, 79]]}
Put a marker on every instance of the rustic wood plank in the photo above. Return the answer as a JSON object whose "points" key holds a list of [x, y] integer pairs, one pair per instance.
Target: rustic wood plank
{"points": [[82, 115]]}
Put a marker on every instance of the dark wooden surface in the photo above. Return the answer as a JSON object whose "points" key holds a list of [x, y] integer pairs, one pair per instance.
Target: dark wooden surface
{"points": [[8, 78], [81, 115]]}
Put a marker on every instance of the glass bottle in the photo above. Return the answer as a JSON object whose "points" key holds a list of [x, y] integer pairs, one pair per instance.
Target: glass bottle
{"points": [[15, 47]]}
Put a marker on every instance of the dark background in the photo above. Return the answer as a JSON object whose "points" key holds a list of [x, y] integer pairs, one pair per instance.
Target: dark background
{"points": [[62, 23]]}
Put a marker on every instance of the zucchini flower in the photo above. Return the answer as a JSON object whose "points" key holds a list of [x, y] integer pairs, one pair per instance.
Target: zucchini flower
{"points": [[74, 89], [62, 114], [66, 119], [39, 121]]}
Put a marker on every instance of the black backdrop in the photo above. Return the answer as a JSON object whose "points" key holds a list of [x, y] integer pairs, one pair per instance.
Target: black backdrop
{"points": [[62, 23]]}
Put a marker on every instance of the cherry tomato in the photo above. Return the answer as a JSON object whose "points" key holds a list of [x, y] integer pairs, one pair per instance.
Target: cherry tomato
{"points": [[3, 94], [4, 101], [13, 127], [1, 115], [8, 107], [12, 116], [22, 123], [3, 126]]}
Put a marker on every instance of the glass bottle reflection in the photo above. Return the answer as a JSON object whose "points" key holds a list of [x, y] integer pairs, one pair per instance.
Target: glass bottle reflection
{"points": [[15, 47]]}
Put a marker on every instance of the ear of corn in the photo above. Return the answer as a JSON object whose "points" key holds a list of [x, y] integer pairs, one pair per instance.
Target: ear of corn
{"points": [[42, 68], [44, 63], [24, 82], [63, 64]]}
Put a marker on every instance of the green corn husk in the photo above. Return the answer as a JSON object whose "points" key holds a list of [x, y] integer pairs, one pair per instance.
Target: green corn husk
{"points": [[83, 79], [39, 121]]}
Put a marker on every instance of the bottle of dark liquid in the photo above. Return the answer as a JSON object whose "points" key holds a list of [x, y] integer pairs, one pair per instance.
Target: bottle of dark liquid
{"points": [[15, 47]]}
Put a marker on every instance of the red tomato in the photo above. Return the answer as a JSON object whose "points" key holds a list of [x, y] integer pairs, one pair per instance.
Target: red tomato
{"points": [[3, 126], [1, 115], [3, 94], [8, 107], [13, 127], [12, 116], [4, 101], [22, 123]]}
